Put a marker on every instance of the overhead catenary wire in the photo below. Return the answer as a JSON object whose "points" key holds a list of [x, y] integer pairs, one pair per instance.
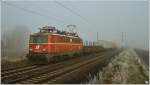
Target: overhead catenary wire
{"points": [[56, 17], [47, 16], [34, 12], [45, 10], [73, 12], [76, 13]]}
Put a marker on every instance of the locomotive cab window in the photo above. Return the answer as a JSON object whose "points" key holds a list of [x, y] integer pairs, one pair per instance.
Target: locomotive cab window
{"points": [[38, 39]]}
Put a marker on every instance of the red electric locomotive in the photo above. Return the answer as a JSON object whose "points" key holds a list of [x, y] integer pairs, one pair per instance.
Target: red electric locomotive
{"points": [[51, 44]]}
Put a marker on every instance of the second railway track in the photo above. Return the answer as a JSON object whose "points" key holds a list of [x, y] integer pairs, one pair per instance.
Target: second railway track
{"points": [[4, 73]]}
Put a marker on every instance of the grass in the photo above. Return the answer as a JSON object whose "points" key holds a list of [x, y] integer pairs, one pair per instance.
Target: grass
{"points": [[126, 68]]}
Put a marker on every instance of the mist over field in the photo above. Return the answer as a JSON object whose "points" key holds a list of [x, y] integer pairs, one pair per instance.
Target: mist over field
{"points": [[14, 42]]}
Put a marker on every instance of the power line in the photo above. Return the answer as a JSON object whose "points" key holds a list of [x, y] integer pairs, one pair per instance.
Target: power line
{"points": [[33, 12], [53, 14], [62, 5], [73, 12]]}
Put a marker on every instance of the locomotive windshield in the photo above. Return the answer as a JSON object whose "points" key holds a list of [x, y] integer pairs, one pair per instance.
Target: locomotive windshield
{"points": [[38, 39]]}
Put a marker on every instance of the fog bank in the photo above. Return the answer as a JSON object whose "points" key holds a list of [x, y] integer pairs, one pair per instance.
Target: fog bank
{"points": [[14, 42]]}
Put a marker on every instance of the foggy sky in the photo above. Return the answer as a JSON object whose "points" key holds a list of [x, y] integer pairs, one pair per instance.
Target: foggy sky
{"points": [[108, 18]]}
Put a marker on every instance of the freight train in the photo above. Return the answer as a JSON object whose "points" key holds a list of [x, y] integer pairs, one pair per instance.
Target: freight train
{"points": [[51, 44]]}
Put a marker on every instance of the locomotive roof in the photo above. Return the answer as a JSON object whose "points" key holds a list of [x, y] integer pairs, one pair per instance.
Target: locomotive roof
{"points": [[55, 34], [49, 30]]}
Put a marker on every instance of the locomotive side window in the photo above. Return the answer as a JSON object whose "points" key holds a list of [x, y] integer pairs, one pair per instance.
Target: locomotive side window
{"points": [[38, 39]]}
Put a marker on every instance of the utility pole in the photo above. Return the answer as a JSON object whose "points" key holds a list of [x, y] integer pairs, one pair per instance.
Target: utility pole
{"points": [[97, 36], [122, 37]]}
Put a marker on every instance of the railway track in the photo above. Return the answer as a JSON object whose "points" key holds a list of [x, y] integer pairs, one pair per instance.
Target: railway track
{"points": [[55, 76], [9, 72], [18, 75], [49, 73], [79, 74], [14, 68]]}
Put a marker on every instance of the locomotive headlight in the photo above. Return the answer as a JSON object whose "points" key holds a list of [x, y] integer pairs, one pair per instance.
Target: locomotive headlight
{"points": [[30, 49], [44, 49]]}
